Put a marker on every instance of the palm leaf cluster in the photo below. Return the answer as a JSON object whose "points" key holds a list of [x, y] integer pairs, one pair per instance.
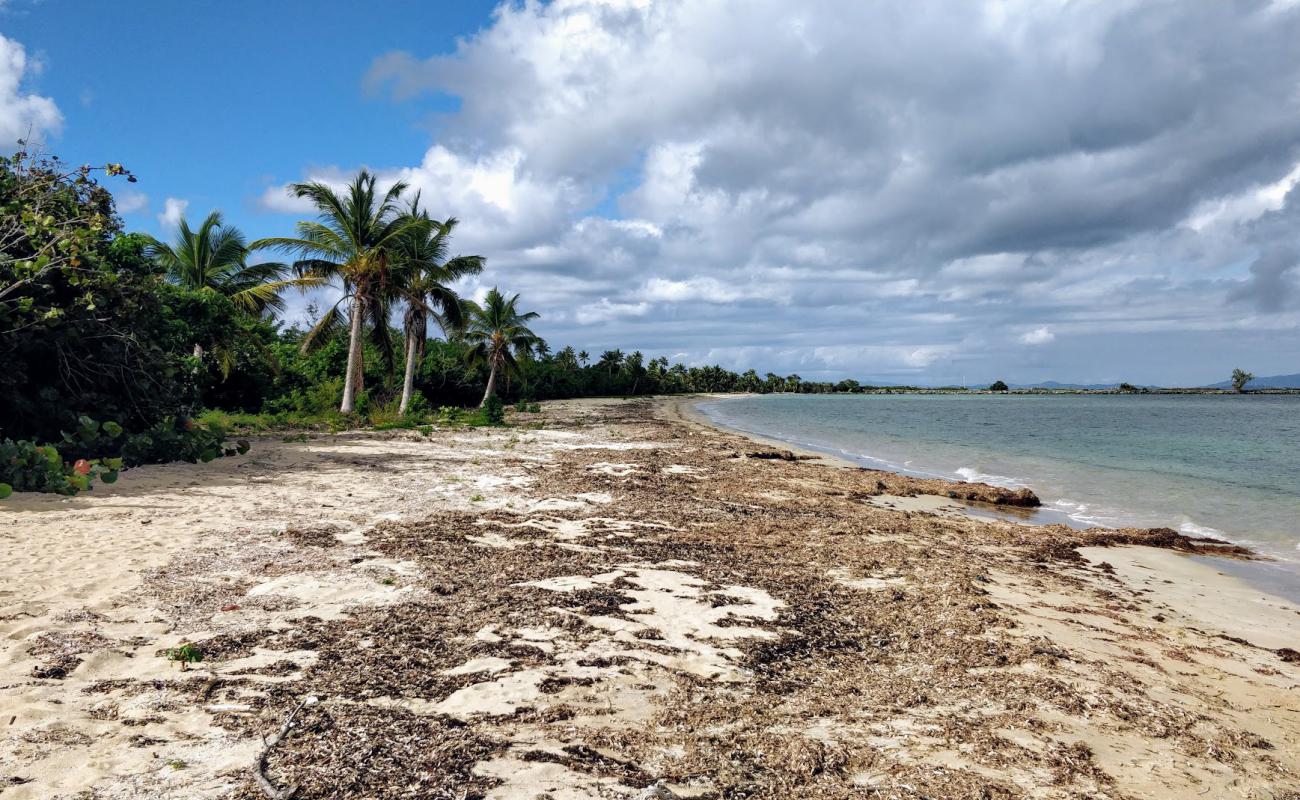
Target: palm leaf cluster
{"points": [[383, 254], [498, 333]]}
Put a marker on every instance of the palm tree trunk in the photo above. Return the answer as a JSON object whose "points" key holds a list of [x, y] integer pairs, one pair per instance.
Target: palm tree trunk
{"points": [[408, 383], [492, 385], [350, 378]]}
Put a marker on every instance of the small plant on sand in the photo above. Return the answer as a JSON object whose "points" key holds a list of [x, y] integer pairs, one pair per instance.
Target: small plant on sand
{"points": [[295, 437], [478, 498], [185, 653], [177, 763], [388, 581]]}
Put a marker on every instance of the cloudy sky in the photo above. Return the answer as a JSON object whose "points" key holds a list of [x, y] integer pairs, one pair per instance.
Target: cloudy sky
{"points": [[920, 191]]}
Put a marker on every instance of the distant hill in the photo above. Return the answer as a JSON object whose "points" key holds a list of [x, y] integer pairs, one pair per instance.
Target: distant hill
{"points": [[1265, 382]]}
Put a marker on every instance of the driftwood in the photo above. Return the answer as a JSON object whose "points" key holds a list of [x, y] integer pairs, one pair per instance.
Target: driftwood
{"points": [[268, 745]]}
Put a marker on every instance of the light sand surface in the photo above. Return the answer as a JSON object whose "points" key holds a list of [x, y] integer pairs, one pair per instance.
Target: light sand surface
{"points": [[604, 599]]}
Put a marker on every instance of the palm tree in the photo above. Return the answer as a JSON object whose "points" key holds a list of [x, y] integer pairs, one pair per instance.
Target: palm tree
{"points": [[355, 240], [214, 258], [611, 360], [497, 333], [421, 282]]}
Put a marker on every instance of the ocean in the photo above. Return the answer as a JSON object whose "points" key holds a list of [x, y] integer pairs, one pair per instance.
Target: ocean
{"points": [[1225, 466]]}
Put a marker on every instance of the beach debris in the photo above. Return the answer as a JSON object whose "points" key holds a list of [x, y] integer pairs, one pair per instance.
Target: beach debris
{"points": [[269, 744], [1288, 655], [781, 455], [657, 791]]}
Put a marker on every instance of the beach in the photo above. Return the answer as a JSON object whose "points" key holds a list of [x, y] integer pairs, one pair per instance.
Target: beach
{"points": [[612, 598]]}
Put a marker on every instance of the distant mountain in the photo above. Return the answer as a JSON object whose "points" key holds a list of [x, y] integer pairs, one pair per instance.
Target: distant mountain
{"points": [[1265, 382]]}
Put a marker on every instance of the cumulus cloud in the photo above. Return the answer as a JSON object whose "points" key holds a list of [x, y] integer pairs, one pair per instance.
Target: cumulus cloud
{"points": [[22, 114], [173, 211], [1041, 335], [129, 202], [758, 179]]}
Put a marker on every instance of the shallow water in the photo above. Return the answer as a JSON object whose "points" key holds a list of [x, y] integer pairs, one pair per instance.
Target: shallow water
{"points": [[1212, 465]]}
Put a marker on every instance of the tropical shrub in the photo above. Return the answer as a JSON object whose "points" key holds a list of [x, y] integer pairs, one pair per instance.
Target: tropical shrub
{"points": [[99, 451], [87, 324], [494, 409], [28, 467]]}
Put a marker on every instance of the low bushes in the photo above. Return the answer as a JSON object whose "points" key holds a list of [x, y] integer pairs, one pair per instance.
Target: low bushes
{"points": [[100, 450]]}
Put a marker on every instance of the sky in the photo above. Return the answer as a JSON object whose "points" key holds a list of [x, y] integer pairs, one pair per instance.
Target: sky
{"points": [[918, 191]]}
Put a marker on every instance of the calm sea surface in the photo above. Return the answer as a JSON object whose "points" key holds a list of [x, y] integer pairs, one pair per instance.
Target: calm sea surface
{"points": [[1224, 466]]}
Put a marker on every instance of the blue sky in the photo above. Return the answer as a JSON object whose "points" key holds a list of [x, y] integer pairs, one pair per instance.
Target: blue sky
{"points": [[213, 102], [920, 191]]}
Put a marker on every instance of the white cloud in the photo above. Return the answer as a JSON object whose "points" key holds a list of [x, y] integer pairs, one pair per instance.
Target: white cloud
{"points": [[704, 290], [129, 202], [1041, 335], [173, 211], [604, 311], [22, 115], [1244, 206]]}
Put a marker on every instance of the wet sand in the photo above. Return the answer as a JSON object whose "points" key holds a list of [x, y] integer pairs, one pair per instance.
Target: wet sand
{"points": [[610, 600]]}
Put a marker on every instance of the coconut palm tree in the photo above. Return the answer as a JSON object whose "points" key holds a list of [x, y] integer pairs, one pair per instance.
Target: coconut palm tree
{"points": [[422, 279], [497, 333], [355, 240], [214, 258]]}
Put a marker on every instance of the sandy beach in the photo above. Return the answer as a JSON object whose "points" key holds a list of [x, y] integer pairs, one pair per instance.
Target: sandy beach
{"points": [[612, 599]]}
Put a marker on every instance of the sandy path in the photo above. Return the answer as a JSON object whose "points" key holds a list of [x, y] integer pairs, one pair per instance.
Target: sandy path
{"points": [[606, 603]]}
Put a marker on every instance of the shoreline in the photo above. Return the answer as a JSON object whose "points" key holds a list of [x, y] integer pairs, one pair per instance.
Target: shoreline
{"points": [[1258, 574], [607, 598]]}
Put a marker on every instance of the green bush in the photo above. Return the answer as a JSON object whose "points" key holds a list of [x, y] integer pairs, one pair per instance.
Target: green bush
{"points": [[29, 467], [494, 411], [99, 451]]}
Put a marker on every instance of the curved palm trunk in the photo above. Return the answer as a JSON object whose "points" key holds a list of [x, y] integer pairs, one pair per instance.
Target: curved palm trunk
{"points": [[492, 384], [351, 378], [408, 382]]}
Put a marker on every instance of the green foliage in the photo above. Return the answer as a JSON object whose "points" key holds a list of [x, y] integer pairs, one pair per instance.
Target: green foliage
{"points": [[999, 386], [1240, 378], [100, 451], [28, 467], [87, 325], [174, 439], [185, 653], [494, 410]]}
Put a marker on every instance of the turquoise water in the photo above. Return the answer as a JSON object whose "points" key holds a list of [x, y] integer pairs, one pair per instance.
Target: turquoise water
{"points": [[1223, 466]]}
